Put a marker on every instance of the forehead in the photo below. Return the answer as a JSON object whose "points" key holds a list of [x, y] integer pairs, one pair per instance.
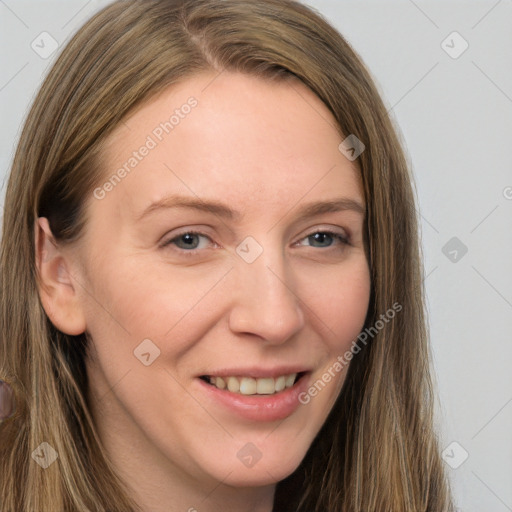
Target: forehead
{"points": [[257, 144]]}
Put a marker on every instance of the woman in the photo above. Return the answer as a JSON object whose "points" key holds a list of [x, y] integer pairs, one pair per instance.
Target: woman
{"points": [[150, 373]]}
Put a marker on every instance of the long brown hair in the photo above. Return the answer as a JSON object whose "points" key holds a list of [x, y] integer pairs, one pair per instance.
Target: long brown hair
{"points": [[377, 451]]}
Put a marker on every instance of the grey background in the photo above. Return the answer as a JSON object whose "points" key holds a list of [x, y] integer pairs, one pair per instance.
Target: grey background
{"points": [[455, 118]]}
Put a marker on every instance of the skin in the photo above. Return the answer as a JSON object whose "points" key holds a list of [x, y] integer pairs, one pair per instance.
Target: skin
{"points": [[264, 149]]}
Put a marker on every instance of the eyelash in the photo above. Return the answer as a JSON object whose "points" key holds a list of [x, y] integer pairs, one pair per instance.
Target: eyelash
{"points": [[344, 240]]}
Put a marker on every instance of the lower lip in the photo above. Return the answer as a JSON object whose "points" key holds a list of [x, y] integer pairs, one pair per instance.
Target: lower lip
{"points": [[259, 407]]}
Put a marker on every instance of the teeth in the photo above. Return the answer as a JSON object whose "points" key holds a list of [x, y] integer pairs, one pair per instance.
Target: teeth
{"points": [[265, 386], [233, 384], [247, 386], [251, 386], [219, 382], [290, 379], [280, 383]]}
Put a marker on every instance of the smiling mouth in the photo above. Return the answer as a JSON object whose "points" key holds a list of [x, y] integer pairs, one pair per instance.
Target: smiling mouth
{"points": [[252, 386]]}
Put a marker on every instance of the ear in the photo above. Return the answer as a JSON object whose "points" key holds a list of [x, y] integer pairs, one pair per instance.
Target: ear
{"points": [[57, 290]]}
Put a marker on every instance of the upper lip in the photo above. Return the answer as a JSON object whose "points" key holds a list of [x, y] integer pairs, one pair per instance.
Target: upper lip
{"points": [[257, 372]]}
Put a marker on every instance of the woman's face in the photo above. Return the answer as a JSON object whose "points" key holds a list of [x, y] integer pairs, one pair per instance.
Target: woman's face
{"points": [[181, 300]]}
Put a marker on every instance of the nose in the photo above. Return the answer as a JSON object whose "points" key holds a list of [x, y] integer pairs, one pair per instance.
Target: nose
{"points": [[264, 300]]}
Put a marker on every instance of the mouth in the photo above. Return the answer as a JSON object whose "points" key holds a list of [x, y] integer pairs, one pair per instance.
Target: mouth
{"points": [[251, 386], [257, 394]]}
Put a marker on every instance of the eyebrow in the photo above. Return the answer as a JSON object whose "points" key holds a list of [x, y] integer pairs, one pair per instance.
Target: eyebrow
{"points": [[222, 210]]}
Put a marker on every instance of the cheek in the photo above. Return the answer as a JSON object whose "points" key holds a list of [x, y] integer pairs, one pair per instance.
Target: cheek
{"points": [[137, 302], [342, 309], [343, 305], [134, 301]]}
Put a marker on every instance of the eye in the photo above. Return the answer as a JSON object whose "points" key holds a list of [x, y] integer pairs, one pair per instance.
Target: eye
{"points": [[187, 241], [326, 235]]}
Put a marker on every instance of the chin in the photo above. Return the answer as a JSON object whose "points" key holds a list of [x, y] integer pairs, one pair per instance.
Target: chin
{"points": [[258, 472], [252, 477]]}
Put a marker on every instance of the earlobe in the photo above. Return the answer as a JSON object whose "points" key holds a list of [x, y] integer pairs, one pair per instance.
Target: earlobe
{"points": [[56, 286]]}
